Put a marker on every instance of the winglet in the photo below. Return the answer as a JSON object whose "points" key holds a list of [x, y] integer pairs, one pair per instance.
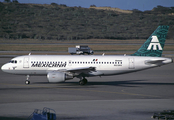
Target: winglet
{"points": [[154, 44]]}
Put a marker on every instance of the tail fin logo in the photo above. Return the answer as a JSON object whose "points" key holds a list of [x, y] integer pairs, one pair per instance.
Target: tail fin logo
{"points": [[154, 43]]}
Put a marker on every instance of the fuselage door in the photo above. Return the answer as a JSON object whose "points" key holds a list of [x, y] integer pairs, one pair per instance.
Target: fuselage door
{"points": [[131, 63], [26, 62]]}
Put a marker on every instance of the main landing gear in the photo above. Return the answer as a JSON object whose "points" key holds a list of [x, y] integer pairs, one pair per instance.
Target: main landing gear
{"points": [[27, 80], [83, 81]]}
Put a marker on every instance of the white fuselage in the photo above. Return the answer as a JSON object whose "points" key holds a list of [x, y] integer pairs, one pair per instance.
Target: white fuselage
{"points": [[104, 65]]}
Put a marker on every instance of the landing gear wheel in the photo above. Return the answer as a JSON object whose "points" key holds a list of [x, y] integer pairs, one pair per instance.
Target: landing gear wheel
{"points": [[27, 82], [83, 82]]}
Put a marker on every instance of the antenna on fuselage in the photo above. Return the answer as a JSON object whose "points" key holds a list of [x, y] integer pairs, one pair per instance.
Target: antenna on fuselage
{"points": [[103, 54], [29, 54]]}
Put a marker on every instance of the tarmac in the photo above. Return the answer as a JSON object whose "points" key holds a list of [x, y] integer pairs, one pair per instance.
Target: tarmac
{"points": [[133, 96]]}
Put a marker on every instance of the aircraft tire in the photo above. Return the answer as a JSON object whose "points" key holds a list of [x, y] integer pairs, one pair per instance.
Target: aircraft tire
{"points": [[83, 82], [27, 82]]}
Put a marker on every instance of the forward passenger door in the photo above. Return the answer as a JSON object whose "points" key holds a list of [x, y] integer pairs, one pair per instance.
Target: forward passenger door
{"points": [[26, 62]]}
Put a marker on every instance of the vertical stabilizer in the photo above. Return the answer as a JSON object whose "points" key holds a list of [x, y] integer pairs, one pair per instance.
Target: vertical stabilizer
{"points": [[154, 44]]}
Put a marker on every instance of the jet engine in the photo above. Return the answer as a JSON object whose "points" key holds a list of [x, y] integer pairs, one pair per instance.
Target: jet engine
{"points": [[58, 76]]}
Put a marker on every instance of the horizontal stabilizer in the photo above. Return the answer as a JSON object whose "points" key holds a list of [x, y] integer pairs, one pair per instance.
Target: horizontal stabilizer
{"points": [[155, 62]]}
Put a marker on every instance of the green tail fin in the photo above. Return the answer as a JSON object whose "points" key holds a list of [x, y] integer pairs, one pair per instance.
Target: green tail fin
{"points": [[154, 44]]}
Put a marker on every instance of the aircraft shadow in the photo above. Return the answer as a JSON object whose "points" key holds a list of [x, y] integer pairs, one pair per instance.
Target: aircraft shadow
{"points": [[128, 83]]}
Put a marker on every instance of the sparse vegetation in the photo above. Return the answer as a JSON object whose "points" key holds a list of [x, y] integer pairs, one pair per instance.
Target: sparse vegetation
{"points": [[59, 22]]}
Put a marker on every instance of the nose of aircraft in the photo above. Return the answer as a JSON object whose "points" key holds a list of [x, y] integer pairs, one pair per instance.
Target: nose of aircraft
{"points": [[4, 68]]}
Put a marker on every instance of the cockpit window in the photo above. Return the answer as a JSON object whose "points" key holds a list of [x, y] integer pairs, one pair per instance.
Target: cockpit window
{"points": [[13, 61]]}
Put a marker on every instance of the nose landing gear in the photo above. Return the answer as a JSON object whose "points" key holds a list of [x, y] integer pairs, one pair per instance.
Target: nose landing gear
{"points": [[27, 80]]}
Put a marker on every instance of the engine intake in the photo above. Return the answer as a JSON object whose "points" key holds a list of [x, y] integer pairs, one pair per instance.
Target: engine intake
{"points": [[58, 76]]}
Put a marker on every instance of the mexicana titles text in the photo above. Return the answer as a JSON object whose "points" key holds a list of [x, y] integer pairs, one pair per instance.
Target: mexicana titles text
{"points": [[48, 65]]}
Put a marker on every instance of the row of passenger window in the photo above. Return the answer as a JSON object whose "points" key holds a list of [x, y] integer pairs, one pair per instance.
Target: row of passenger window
{"points": [[95, 62], [80, 62]]}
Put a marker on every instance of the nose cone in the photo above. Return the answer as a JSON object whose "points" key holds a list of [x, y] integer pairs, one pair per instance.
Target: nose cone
{"points": [[4, 68]]}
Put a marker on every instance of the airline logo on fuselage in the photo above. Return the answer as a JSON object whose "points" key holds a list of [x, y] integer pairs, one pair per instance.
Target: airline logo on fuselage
{"points": [[95, 59], [154, 43]]}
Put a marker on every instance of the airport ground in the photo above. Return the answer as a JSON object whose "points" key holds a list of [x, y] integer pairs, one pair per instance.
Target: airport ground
{"points": [[133, 96]]}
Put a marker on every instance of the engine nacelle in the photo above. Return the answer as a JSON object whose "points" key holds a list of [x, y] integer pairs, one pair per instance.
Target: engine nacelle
{"points": [[58, 76]]}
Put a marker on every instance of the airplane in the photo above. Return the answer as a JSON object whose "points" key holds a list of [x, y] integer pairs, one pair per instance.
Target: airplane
{"points": [[59, 68]]}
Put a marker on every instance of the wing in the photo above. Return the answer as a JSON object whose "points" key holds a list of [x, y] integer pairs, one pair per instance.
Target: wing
{"points": [[79, 71]]}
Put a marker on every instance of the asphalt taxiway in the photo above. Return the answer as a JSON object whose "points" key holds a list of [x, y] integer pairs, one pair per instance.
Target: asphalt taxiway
{"points": [[134, 96]]}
